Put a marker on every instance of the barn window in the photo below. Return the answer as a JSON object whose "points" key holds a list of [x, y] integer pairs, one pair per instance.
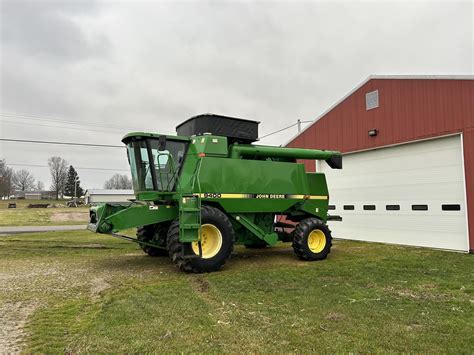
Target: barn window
{"points": [[392, 207], [331, 207], [369, 207], [372, 100], [349, 207], [451, 207], [419, 207]]}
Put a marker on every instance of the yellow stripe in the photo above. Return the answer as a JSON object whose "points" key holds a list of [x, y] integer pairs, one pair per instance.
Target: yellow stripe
{"points": [[308, 197], [234, 196], [295, 197]]}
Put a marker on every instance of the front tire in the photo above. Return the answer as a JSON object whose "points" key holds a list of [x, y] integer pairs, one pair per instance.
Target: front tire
{"points": [[217, 242], [312, 240], [148, 234]]}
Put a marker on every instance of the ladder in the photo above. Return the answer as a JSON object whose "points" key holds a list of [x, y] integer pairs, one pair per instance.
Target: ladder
{"points": [[190, 222]]}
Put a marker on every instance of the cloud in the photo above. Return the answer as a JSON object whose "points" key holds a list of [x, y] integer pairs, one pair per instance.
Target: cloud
{"points": [[48, 30]]}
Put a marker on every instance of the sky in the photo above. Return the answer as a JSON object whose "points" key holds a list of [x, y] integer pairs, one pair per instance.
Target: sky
{"points": [[100, 69]]}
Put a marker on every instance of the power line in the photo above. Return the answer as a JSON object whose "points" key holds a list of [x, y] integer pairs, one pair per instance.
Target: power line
{"points": [[62, 143], [82, 168], [283, 129], [70, 128], [43, 118], [117, 146]]}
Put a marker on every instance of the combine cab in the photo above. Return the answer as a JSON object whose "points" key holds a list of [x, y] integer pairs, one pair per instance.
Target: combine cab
{"points": [[209, 188]]}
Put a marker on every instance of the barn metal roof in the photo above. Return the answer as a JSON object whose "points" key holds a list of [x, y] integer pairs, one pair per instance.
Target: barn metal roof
{"points": [[381, 77]]}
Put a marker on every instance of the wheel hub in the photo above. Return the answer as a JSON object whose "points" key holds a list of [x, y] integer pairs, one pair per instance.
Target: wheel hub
{"points": [[316, 241], [211, 241]]}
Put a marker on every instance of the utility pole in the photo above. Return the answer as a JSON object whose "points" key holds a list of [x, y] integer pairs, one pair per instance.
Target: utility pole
{"points": [[299, 125]]}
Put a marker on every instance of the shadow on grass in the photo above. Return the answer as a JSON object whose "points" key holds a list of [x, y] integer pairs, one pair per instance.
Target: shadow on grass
{"points": [[279, 253], [241, 257], [136, 260]]}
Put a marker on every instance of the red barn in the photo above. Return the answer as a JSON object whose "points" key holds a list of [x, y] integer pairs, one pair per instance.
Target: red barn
{"points": [[408, 166]]}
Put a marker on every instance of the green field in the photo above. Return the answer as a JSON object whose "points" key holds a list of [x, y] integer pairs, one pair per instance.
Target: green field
{"points": [[75, 292], [23, 216]]}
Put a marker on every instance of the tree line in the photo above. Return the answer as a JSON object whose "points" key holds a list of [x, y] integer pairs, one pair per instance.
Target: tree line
{"points": [[64, 180]]}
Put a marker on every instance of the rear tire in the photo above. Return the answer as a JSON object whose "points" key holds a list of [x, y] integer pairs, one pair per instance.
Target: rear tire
{"points": [[217, 229], [147, 234], [312, 240]]}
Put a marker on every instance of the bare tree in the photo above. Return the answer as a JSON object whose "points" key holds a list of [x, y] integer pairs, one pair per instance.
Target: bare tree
{"points": [[23, 180], [6, 183], [58, 170], [39, 185], [117, 182]]}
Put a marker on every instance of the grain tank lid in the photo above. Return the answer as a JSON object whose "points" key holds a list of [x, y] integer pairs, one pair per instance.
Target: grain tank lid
{"points": [[236, 129]]}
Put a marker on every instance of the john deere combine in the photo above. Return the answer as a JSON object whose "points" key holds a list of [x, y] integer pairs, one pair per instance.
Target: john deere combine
{"points": [[208, 188]]}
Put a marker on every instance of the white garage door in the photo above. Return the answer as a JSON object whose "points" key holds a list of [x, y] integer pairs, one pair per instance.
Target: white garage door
{"points": [[410, 194]]}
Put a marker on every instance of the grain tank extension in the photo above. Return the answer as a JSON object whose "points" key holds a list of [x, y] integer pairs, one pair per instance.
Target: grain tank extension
{"points": [[208, 188]]}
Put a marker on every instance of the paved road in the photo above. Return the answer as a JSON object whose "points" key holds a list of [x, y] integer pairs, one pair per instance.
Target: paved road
{"points": [[33, 229]]}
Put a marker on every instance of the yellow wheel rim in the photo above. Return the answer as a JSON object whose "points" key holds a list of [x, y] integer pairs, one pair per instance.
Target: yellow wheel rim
{"points": [[316, 241], [211, 241]]}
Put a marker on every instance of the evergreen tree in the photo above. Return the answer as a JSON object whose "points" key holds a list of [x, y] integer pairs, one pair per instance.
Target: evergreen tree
{"points": [[73, 178]]}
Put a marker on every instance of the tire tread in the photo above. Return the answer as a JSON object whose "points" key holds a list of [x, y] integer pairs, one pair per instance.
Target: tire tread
{"points": [[300, 244], [175, 247]]}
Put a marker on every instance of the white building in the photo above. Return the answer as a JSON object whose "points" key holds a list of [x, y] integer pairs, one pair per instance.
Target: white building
{"points": [[33, 195], [100, 195]]}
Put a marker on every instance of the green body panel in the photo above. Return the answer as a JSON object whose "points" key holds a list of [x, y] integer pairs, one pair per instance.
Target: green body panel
{"points": [[256, 230], [211, 145], [114, 218], [251, 184], [252, 177]]}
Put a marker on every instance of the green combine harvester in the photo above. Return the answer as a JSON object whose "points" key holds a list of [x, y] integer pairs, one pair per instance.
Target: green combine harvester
{"points": [[208, 188]]}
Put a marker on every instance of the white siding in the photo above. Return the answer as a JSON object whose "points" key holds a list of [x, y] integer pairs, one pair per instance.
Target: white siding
{"points": [[98, 195], [423, 173]]}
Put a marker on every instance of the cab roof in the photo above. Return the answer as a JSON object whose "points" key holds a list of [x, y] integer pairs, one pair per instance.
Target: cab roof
{"points": [[137, 135]]}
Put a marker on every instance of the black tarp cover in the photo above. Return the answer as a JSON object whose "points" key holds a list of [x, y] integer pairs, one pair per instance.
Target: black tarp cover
{"points": [[236, 129]]}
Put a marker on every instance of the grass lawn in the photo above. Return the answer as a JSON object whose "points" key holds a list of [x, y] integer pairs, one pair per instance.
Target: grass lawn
{"points": [[80, 292], [22, 216]]}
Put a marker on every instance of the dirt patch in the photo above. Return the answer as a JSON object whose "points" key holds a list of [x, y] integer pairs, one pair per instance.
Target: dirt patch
{"points": [[14, 317], [98, 286], [69, 216], [201, 284], [335, 316]]}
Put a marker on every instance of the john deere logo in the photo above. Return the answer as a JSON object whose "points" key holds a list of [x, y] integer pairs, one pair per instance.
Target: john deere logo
{"points": [[269, 196]]}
